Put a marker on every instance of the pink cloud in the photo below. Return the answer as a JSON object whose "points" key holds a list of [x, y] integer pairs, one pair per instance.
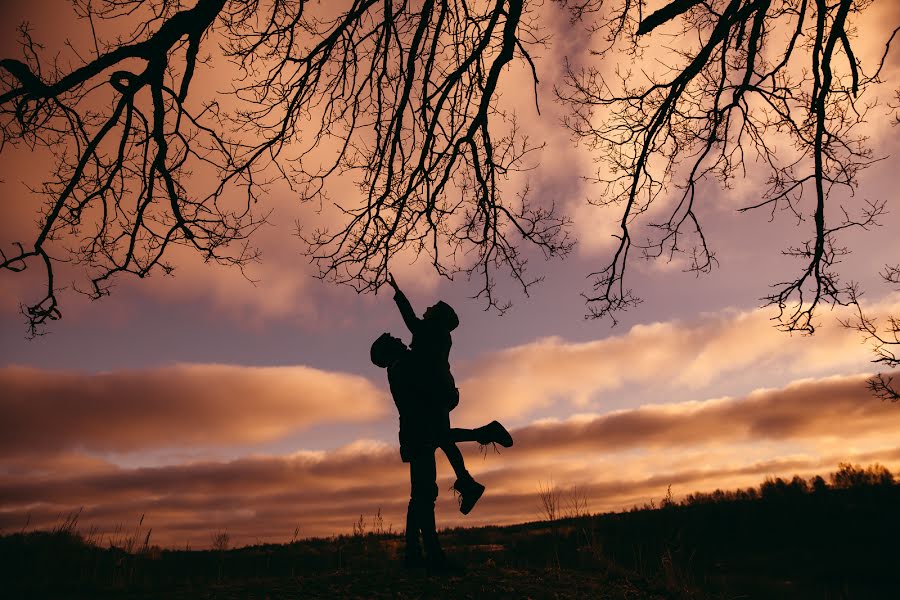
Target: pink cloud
{"points": [[675, 358], [836, 407], [179, 406], [616, 459]]}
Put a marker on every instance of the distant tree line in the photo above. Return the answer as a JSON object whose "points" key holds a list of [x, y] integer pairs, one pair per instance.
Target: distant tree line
{"points": [[847, 477]]}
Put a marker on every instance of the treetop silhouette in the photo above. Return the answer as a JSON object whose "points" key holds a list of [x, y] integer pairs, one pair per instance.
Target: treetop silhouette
{"points": [[403, 99]]}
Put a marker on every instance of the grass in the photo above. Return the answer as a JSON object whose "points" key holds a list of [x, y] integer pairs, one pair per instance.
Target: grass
{"points": [[784, 539]]}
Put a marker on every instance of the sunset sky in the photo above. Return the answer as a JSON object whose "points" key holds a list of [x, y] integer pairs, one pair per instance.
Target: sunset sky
{"points": [[209, 403]]}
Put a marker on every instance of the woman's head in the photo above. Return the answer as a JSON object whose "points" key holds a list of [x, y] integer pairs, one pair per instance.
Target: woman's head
{"points": [[444, 314]]}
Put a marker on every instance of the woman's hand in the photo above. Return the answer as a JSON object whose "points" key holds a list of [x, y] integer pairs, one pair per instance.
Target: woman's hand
{"points": [[392, 282]]}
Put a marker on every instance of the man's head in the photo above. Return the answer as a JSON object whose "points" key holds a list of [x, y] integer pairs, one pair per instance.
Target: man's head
{"points": [[444, 314], [386, 349]]}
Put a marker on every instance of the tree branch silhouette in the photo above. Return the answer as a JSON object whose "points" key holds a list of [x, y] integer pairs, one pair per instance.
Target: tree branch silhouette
{"points": [[400, 97], [766, 79], [884, 338]]}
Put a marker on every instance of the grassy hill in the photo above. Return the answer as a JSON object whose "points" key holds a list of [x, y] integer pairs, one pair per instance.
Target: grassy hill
{"points": [[784, 539]]}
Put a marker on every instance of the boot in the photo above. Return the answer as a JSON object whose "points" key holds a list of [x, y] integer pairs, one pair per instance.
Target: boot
{"points": [[495, 433], [470, 492], [436, 562], [441, 565]]}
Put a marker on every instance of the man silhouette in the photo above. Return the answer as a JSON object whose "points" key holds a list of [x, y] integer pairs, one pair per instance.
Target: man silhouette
{"points": [[418, 442], [424, 427]]}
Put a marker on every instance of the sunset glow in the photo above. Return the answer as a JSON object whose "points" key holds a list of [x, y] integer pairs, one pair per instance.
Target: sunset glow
{"points": [[246, 402]]}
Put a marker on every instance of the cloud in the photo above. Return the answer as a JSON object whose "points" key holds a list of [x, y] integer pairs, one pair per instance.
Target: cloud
{"points": [[666, 361], [179, 406], [265, 498], [617, 459], [836, 407], [315, 488]]}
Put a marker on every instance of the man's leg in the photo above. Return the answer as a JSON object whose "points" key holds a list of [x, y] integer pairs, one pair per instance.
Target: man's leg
{"points": [[413, 553], [423, 476]]}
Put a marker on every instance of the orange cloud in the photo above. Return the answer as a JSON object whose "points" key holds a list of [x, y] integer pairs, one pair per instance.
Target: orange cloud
{"points": [[172, 407], [838, 407], [616, 459], [266, 498], [674, 357]]}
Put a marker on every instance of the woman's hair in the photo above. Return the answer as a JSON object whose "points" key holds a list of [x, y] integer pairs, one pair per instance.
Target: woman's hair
{"points": [[445, 313]]}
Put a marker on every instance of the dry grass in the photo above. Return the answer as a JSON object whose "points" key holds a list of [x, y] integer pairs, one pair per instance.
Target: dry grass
{"points": [[786, 539]]}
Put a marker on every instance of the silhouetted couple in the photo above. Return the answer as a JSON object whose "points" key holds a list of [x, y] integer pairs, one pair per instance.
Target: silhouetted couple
{"points": [[425, 392]]}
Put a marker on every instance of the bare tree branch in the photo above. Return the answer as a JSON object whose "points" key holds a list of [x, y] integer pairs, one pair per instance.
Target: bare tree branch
{"points": [[403, 99], [402, 95], [884, 338], [763, 74]]}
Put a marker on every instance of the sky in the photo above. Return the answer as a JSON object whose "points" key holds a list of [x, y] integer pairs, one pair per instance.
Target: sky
{"points": [[205, 402]]}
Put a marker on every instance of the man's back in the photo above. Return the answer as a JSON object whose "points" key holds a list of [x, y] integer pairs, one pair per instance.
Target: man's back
{"points": [[420, 416]]}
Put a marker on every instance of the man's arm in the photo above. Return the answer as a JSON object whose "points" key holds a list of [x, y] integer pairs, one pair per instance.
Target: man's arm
{"points": [[406, 309]]}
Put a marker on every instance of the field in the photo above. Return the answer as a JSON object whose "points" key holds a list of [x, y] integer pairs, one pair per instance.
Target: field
{"points": [[785, 539]]}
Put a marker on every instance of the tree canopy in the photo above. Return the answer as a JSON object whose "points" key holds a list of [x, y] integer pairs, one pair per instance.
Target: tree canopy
{"points": [[402, 98]]}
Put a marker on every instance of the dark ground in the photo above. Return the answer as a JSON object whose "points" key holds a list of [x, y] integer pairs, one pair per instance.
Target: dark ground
{"points": [[478, 583], [786, 539]]}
